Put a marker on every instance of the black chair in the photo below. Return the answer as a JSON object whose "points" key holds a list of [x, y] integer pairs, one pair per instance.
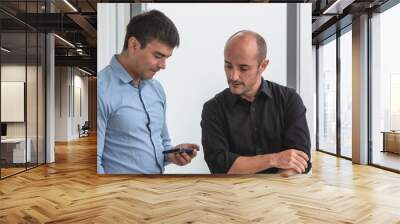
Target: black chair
{"points": [[84, 130]]}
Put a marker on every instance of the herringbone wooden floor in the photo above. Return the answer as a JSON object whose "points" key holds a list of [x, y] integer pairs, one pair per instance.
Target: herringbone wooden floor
{"points": [[70, 191]]}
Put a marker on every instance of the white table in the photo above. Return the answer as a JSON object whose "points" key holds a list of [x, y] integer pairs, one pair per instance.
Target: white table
{"points": [[18, 149]]}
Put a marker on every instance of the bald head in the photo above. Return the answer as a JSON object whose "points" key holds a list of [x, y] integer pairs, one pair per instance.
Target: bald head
{"points": [[249, 39]]}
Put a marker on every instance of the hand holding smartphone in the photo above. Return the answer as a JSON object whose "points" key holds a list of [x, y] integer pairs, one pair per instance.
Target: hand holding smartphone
{"points": [[181, 154], [189, 151]]}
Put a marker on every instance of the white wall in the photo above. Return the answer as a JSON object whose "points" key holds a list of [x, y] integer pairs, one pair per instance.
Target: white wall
{"points": [[17, 73], [112, 19], [80, 102], [84, 85], [61, 104], [307, 73], [66, 100]]}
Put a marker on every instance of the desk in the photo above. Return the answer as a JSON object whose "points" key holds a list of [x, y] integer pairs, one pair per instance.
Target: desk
{"points": [[13, 150], [391, 141]]}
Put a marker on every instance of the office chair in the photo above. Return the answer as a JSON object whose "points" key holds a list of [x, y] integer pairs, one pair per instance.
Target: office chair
{"points": [[84, 130]]}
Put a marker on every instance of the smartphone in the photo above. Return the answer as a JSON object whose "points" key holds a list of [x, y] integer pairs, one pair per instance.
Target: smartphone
{"points": [[189, 151]]}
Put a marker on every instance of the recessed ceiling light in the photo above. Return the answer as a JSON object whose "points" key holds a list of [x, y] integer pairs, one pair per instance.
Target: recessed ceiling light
{"points": [[337, 7], [5, 50], [64, 40], [70, 5], [84, 71]]}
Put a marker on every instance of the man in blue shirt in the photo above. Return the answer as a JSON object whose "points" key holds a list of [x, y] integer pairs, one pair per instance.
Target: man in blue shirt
{"points": [[131, 123]]}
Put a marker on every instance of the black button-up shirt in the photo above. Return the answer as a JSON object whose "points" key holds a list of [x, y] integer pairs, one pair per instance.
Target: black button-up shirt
{"points": [[233, 127]]}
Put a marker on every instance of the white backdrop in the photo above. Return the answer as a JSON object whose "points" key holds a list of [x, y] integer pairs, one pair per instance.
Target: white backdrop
{"points": [[195, 72]]}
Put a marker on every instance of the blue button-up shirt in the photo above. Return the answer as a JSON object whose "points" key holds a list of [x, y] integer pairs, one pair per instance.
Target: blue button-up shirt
{"points": [[131, 127]]}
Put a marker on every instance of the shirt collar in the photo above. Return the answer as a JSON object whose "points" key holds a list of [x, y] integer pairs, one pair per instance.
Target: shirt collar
{"points": [[264, 90], [120, 70]]}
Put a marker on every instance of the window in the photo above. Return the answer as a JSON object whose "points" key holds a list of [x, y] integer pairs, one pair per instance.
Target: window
{"points": [[327, 96], [385, 89], [346, 94]]}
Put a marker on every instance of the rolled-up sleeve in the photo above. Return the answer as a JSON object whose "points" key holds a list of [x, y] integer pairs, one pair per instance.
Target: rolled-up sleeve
{"points": [[166, 141], [296, 134], [215, 143]]}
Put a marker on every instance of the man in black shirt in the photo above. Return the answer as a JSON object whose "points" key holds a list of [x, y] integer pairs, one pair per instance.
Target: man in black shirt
{"points": [[254, 126]]}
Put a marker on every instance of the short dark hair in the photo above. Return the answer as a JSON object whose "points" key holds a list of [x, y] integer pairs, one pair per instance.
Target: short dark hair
{"points": [[152, 25], [261, 44]]}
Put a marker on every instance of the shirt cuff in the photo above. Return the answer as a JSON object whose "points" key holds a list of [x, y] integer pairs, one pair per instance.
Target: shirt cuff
{"points": [[230, 160], [166, 161]]}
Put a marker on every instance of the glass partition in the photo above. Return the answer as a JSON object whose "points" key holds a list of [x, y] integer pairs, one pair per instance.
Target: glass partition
{"points": [[327, 96], [22, 88], [13, 103]]}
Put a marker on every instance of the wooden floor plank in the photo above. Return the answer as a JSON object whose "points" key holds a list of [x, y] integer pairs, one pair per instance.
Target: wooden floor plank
{"points": [[70, 191]]}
